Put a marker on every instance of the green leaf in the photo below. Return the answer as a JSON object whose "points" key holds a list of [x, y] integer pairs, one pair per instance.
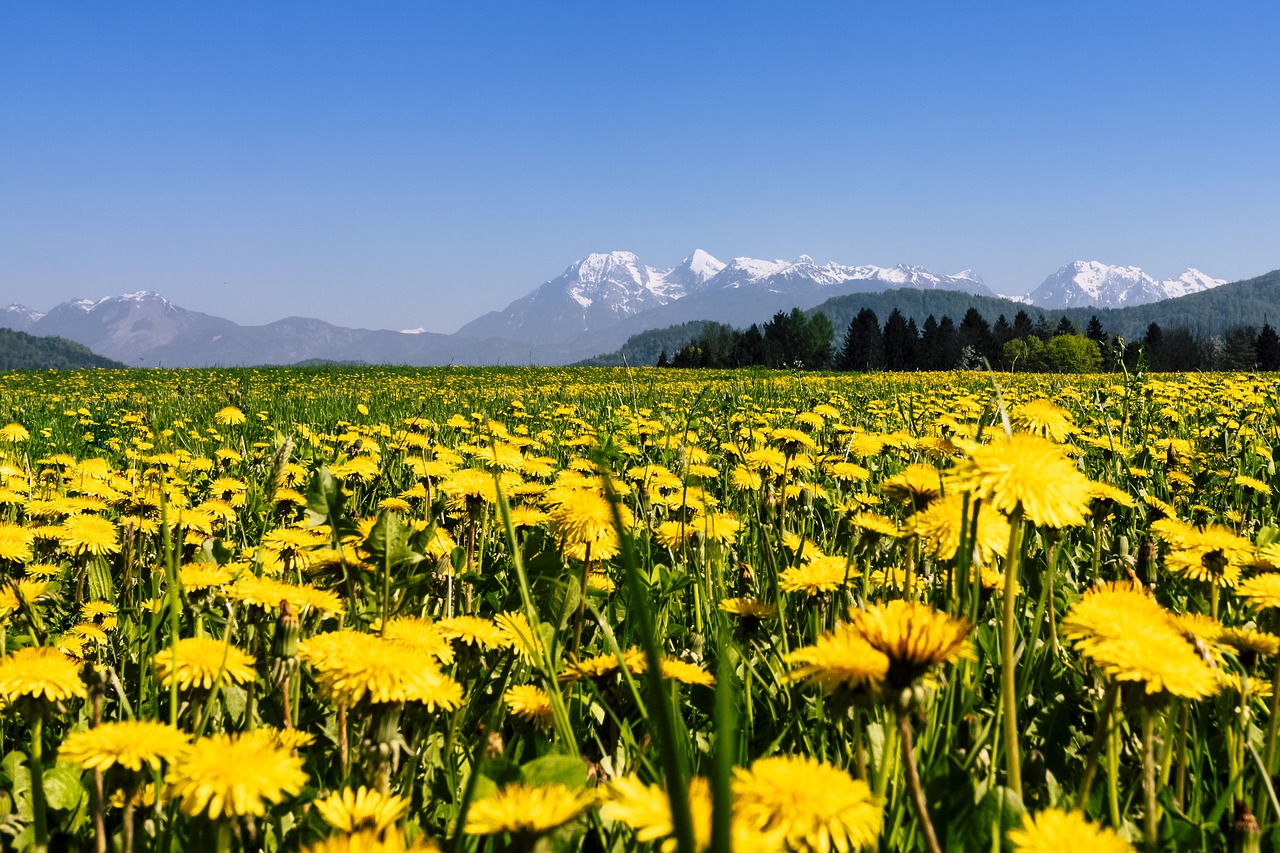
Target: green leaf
{"points": [[62, 789], [389, 540], [325, 502], [567, 770]]}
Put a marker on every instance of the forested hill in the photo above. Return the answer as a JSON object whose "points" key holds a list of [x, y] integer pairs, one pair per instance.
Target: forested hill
{"points": [[20, 351], [1212, 312]]}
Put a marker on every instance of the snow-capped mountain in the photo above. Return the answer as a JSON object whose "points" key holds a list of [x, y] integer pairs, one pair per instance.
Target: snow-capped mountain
{"points": [[593, 293], [603, 290], [18, 317], [1093, 284]]}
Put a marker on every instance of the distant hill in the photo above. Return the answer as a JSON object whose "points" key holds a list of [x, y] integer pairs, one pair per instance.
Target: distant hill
{"points": [[1210, 312], [20, 351]]}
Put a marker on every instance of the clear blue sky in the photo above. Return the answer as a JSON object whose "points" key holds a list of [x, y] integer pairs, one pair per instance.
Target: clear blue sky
{"points": [[406, 164]]}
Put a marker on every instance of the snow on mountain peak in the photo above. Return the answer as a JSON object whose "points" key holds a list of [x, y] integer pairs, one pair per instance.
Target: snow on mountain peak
{"points": [[1093, 283]]}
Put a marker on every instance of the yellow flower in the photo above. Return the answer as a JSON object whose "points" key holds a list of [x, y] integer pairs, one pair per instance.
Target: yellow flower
{"points": [[529, 810], [1262, 591], [939, 528], [1211, 555], [749, 608], [14, 433], [472, 631], [129, 744], [372, 842], [15, 543], [88, 534], [839, 660], [13, 593], [1044, 419], [351, 666], [229, 416], [420, 634], [647, 810], [531, 704], [813, 806], [361, 809], [234, 775], [818, 575], [39, 672], [203, 662], [917, 484], [1057, 831], [913, 636], [1025, 471], [199, 576], [1132, 638], [583, 522]]}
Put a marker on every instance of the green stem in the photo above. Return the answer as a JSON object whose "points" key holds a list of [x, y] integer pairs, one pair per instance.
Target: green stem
{"points": [[913, 782], [1009, 695], [1269, 749], [1100, 731], [1151, 818], [39, 816]]}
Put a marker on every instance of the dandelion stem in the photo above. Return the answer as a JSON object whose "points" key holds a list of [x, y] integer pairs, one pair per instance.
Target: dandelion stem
{"points": [[1009, 695], [39, 817], [1095, 746], [1151, 818], [913, 782]]}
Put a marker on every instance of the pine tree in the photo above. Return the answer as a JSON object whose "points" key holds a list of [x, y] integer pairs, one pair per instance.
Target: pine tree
{"points": [[1268, 348]]}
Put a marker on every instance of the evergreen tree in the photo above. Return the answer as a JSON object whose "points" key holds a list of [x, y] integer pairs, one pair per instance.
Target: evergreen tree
{"points": [[1022, 327], [1267, 348], [1042, 330], [1095, 332], [975, 332], [1001, 332], [662, 360], [1065, 327], [863, 343], [928, 354], [899, 342]]}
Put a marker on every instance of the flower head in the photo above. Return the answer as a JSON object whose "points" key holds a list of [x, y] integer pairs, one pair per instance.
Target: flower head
{"points": [[129, 743], [1057, 831], [1026, 471], [913, 636], [531, 704], [361, 809], [234, 775], [351, 666], [530, 810], [203, 662], [813, 806], [39, 672], [840, 660]]}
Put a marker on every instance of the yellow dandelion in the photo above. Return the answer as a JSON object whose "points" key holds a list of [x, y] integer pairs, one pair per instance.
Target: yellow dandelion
{"points": [[646, 809], [472, 631], [351, 666], [229, 416], [88, 534], [1045, 419], [1057, 831], [527, 810], [749, 608], [361, 809], [195, 577], [39, 672], [15, 543], [818, 575], [913, 636], [203, 662], [531, 704], [14, 433], [130, 744], [941, 525], [234, 775], [14, 593], [369, 841], [1028, 472], [839, 660], [812, 805], [583, 522], [917, 484], [1262, 591]]}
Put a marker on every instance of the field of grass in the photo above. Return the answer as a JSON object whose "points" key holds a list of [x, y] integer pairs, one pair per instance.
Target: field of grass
{"points": [[391, 609]]}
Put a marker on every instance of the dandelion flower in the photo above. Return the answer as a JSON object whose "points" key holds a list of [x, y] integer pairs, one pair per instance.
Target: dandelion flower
{"points": [[369, 841], [88, 534], [913, 636], [39, 672], [15, 543], [818, 575], [130, 744], [813, 806], [1025, 471], [351, 666], [234, 775], [1045, 419], [646, 809], [583, 522], [839, 660], [203, 662], [1057, 831], [528, 810], [531, 704], [361, 809], [229, 416], [916, 484], [1262, 591]]}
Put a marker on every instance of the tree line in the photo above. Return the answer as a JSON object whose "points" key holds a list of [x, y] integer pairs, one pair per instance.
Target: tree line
{"points": [[800, 341]]}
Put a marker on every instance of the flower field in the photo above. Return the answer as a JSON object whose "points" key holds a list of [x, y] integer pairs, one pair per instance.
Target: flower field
{"points": [[391, 609]]}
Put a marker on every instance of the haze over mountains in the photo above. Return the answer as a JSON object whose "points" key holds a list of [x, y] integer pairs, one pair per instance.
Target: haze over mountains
{"points": [[590, 308]]}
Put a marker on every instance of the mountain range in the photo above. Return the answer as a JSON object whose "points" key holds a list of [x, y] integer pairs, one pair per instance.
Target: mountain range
{"points": [[594, 306]]}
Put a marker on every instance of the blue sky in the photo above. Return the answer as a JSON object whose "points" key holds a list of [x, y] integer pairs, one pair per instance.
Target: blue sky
{"points": [[408, 164]]}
